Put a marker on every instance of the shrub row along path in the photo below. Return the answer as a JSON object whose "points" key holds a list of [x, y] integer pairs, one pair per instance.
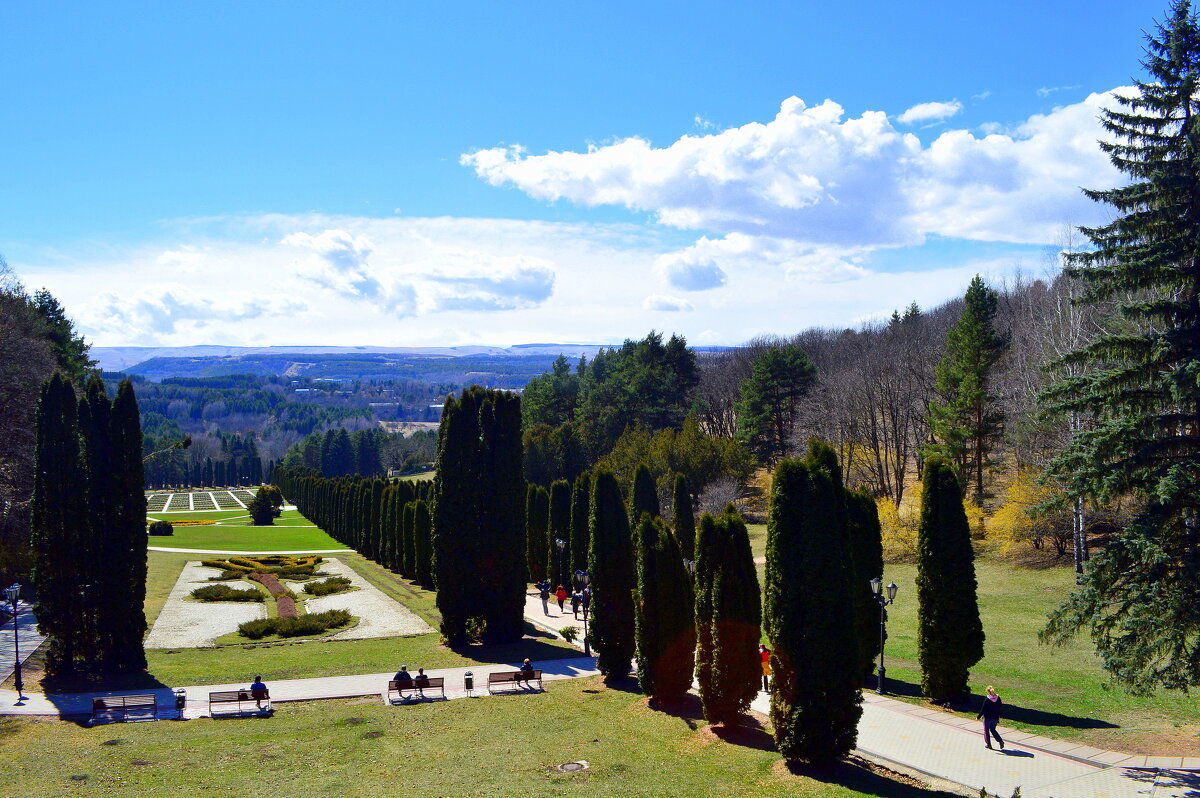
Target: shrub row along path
{"points": [[912, 736]]}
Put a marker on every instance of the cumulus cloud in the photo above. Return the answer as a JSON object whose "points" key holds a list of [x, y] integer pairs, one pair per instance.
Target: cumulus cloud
{"points": [[509, 284], [813, 175], [667, 304], [691, 270], [930, 112], [341, 265], [152, 313]]}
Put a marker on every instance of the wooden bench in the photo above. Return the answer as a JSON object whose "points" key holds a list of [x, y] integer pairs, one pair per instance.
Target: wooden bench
{"points": [[514, 678], [411, 687], [238, 699], [119, 706]]}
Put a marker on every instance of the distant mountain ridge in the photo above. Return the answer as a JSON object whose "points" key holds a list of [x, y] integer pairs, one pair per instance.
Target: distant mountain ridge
{"points": [[127, 358]]}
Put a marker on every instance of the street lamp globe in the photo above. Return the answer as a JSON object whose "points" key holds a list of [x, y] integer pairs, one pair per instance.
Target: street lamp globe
{"points": [[876, 585], [891, 591]]}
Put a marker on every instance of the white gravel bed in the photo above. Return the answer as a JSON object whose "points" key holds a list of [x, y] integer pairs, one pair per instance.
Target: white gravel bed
{"points": [[193, 624], [379, 615]]}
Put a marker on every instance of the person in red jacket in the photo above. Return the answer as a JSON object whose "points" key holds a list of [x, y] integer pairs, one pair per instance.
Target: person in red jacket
{"points": [[561, 594], [764, 654]]}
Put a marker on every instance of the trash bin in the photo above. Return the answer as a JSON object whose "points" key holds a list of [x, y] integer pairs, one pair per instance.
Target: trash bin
{"points": [[469, 682], [180, 699]]}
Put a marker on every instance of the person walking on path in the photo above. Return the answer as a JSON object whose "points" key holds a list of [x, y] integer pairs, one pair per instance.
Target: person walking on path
{"points": [[587, 600], [561, 595], [258, 691], [544, 593], [576, 600], [990, 712], [764, 654]]}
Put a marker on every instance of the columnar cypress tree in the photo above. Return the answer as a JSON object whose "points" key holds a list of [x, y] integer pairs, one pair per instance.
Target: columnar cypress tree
{"points": [[559, 529], [537, 512], [409, 530], [128, 627], [422, 529], [580, 509], [611, 564], [949, 632], [1138, 387], [665, 623], [708, 553], [644, 496], [501, 566], [684, 517], [455, 519], [736, 610], [866, 560], [809, 618]]}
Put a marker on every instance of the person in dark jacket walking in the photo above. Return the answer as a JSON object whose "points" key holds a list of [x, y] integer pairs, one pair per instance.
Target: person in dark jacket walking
{"points": [[990, 712]]}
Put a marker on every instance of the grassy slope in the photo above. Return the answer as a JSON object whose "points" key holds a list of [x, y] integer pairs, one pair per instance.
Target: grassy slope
{"points": [[1061, 692], [291, 532], [486, 747]]}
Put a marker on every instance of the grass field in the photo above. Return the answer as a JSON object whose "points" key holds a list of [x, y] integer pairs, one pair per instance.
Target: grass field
{"points": [[291, 532], [1057, 691], [503, 746]]}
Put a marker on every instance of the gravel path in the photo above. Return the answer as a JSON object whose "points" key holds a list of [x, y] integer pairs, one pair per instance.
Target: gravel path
{"points": [[379, 615], [193, 624]]}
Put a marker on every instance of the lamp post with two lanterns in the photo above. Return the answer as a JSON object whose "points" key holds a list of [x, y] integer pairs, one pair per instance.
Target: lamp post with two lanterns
{"points": [[877, 589], [13, 594]]}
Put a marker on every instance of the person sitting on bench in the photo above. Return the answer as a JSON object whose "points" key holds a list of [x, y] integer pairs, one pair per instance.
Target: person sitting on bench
{"points": [[258, 691], [421, 682], [526, 672]]}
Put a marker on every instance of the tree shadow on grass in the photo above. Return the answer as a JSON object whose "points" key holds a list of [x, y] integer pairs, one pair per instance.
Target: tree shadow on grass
{"points": [[866, 778], [748, 732], [1014, 713], [536, 645]]}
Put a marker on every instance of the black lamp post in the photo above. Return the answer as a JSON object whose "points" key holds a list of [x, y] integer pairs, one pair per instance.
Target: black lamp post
{"points": [[877, 589], [561, 545], [13, 593], [582, 578]]}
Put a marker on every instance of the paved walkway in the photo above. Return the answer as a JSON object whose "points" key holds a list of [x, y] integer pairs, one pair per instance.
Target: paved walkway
{"points": [[29, 638], [916, 737]]}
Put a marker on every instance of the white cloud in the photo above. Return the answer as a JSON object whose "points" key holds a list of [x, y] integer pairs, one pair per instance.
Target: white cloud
{"points": [[930, 112], [812, 175], [1046, 91], [666, 304]]}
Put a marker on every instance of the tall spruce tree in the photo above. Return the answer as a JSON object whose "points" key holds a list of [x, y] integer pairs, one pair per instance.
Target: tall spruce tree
{"points": [[965, 420], [866, 563], [1139, 388], [683, 517], [537, 514], [735, 624], [665, 623], [809, 618], [580, 510], [949, 631], [611, 564], [559, 528], [770, 401]]}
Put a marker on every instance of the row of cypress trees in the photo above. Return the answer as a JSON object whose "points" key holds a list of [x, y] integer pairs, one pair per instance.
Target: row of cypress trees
{"points": [[560, 513], [89, 529], [390, 523]]}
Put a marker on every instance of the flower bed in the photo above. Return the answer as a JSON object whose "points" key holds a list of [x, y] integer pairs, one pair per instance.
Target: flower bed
{"points": [[295, 627], [225, 593], [285, 601], [327, 587], [193, 522]]}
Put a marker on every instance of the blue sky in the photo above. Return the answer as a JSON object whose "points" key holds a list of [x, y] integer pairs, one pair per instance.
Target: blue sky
{"points": [[499, 173]]}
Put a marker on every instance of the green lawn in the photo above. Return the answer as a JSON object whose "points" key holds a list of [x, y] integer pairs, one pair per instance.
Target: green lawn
{"points": [[291, 532], [503, 746]]}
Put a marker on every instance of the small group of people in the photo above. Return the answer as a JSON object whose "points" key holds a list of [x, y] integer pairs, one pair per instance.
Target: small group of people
{"points": [[580, 599], [406, 679]]}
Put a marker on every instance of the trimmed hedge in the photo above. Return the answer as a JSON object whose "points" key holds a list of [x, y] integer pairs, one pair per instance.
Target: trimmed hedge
{"points": [[295, 627], [226, 593], [161, 528], [326, 587]]}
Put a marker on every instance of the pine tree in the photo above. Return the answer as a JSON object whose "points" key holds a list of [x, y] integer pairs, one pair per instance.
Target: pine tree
{"points": [[644, 496], [537, 512], [966, 422], [684, 517], [559, 529], [866, 560], [770, 400], [949, 631], [580, 509], [611, 564], [736, 617], [1139, 389], [809, 618], [665, 623]]}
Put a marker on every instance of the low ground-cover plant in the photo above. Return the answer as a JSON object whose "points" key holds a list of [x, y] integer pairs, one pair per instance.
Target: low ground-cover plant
{"points": [[295, 627], [226, 593], [160, 528], [193, 522], [326, 587], [227, 576]]}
